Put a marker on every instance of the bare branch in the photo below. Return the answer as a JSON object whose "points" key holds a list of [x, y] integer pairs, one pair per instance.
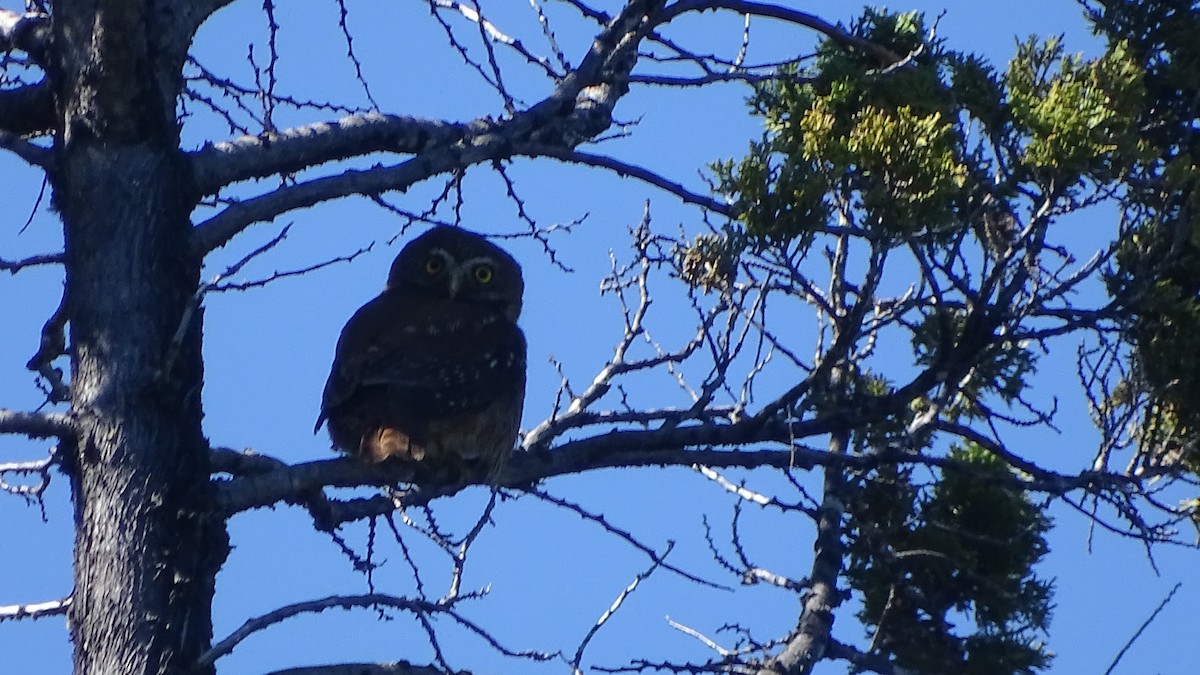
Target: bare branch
{"points": [[612, 610], [496, 35], [625, 169], [277, 275], [397, 668], [1142, 628], [602, 521], [32, 154], [884, 55], [421, 608], [692, 632], [28, 32], [241, 463], [253, 625], [14, 266], [37, 610], [290, 150], [749, 77], [51, 345], [866, 662], [36, 425], [32, 493], [749, 495], [579, 108], [27, 111]]}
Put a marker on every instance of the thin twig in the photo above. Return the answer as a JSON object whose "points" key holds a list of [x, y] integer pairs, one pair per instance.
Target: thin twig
{"points": [[1141, 629], [612, 610]]}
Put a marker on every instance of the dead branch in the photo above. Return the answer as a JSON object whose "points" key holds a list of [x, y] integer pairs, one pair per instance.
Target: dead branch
{"points": [[602, 521], [612, 610], [290, 150], [1142, 628], [494, 34], [579, 108], [28, 110], [34, 155], [884, 55], [53, 344], [14, 266], [32, 493], [37, 425], [28, 32], [36, 610], [420, 608], [396, 668], [632, 170]]}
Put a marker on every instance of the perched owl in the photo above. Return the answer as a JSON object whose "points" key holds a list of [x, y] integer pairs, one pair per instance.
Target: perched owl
{"points": [[433, 369]]}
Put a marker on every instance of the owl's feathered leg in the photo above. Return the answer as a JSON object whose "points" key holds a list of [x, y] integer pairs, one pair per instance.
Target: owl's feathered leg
{"points": [[384, 442]]}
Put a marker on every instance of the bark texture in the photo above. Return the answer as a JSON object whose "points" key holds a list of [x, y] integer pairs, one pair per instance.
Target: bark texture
{"points": [[146, 553]]}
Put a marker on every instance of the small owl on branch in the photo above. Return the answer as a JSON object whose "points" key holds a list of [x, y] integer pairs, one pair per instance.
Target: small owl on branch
{"points": [[433, 369]]}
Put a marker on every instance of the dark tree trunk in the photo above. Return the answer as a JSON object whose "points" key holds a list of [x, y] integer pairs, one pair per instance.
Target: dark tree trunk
{"points": [[146, 552]]}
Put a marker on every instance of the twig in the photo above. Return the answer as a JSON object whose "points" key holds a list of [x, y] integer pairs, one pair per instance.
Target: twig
{"points": [[277, 275], [687, 630], [1141, 629], [600, 520], [616, 605], [884, 55], [493, 34], [421, 608], [625, 169], [749, 495]]}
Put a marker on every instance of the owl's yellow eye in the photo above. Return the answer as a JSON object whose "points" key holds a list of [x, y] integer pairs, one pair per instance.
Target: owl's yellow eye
{"points": [[434, 264], [484, 274]]}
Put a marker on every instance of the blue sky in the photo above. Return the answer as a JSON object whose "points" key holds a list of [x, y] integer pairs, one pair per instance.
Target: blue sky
{"points": [[550, 575]]}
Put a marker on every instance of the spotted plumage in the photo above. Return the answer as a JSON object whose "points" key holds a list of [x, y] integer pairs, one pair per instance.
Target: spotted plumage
{"points": [[432, 370]]}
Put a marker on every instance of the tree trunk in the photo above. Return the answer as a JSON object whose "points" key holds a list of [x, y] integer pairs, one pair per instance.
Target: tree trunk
{"points": [[146, 550]]}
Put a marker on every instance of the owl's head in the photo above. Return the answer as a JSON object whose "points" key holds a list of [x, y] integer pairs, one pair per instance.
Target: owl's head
{"points": [[456, 264]]}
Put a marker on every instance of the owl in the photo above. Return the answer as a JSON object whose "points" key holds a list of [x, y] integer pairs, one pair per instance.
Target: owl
{"points": [[433, 369]]}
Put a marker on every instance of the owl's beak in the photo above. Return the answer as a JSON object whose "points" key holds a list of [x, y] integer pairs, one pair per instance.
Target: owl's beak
{"points": [[455, 285]]}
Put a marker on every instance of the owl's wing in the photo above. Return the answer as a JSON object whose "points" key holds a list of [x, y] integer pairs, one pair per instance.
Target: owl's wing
{"points": [[430, 361], [450, 376]]}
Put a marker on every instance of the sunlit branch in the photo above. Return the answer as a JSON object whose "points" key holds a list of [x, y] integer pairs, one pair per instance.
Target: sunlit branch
{"points": [[579, 108], [678, 446], [36, 425], [612, 610], [31, 492], [496, 35], [219, 229], [36, 610], [577, 413], [290, 150], [742, 492]]}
